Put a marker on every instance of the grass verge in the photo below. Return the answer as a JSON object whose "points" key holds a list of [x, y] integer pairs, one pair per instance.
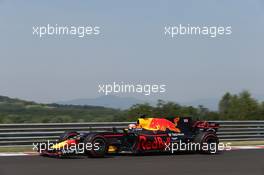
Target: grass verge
{"points": [[16, 149]]}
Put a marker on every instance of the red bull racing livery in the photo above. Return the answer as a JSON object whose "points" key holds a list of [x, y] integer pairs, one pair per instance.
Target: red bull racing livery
{"points": [[147, 135]]}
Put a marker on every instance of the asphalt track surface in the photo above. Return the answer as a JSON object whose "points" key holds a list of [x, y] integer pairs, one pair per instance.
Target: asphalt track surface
{"points": [[239, 162]]}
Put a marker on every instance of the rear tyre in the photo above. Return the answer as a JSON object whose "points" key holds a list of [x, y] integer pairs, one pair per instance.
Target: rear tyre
{"points": [[208, 142]]}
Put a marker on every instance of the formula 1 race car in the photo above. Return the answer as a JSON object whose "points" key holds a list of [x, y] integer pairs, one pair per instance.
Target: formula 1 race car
{"points": [[147, 135]]}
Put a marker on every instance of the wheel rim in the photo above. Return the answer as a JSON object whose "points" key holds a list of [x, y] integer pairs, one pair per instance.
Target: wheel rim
{"points": [[212, 144]]}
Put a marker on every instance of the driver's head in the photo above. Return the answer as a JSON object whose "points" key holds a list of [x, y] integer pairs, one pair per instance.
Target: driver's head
{"points": [[132, 126]]}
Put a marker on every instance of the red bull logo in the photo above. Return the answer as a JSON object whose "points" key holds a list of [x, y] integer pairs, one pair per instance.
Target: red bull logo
{"points": [[158, 124]]}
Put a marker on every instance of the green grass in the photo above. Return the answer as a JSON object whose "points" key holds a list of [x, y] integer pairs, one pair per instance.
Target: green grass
{"points": [[16, 149]]}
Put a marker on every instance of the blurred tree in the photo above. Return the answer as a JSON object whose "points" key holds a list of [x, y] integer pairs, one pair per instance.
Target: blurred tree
{"points": [[136, 110], [241, 106], [225, 104]]}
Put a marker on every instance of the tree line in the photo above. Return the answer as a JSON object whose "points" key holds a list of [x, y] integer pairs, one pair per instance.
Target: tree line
{"points": [[240, 106]]}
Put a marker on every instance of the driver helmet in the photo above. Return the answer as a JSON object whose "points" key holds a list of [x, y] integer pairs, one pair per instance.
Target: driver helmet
{"points": [[131, 126]]}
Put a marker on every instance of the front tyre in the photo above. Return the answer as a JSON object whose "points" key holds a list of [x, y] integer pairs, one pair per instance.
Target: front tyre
{"points": [[99, 146]]}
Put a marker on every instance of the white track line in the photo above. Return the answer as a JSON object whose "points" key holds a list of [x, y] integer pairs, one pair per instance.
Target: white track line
{"points": [[12, 154], [9, 154], [247, 147]]}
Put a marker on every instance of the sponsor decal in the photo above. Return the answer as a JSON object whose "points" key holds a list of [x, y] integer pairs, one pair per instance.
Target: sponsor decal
{"points": [[152, 142]]}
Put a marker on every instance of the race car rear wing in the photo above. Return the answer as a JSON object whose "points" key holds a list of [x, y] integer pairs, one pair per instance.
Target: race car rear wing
{"points": [[187, 124]]}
